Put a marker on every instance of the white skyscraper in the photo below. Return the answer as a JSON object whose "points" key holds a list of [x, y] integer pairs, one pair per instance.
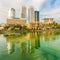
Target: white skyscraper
{"points": [[31, 14], [23, 12], [11, 13]]}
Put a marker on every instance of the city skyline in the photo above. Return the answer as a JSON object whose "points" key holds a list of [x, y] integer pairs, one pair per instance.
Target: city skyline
{"points": [[47, 8]]}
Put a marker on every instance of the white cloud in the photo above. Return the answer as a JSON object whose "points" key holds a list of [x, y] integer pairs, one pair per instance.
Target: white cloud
{"points": [[51, 11], [5, 5], [38, 4]]}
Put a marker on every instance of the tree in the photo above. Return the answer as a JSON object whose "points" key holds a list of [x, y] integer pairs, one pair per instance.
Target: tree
{"points": [[24, 27], [6, 27]]}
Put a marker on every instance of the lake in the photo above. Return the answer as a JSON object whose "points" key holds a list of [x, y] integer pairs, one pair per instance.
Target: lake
{"points": [[43, 45]]}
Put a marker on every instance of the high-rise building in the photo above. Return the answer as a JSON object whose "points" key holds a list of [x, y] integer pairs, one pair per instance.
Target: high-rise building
{"points": [[11, 13], [23, 12], [36, 14], [31, 14]]}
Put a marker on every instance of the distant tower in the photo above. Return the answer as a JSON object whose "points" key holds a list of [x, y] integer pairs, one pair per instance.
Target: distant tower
{"points": [[11, 13], [36, 16], [23, 12], [31, 14]]}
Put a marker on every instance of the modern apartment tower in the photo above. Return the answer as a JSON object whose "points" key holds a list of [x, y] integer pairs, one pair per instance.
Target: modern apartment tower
{"points": [[31, 14], [36, 15], [23, 12], [11, 13]]}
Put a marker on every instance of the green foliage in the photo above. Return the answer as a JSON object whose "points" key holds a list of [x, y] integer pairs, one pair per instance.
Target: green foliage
{"points": [[15, 28], [6, 27], [51, 25], [24, 27]]}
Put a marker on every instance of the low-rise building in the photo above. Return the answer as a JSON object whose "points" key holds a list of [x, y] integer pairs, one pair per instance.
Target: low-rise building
{"points": [[34, 25], [16, 21], [48, 20]]}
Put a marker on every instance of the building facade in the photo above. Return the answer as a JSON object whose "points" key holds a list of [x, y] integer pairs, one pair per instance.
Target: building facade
{"points": [[31, 14], [48, 20], [11, 13], [34, 24], [16, 21], [36, 13], [23, 12]]}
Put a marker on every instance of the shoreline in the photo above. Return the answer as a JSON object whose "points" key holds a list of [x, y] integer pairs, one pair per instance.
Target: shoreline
{"points": [[11, 33]]}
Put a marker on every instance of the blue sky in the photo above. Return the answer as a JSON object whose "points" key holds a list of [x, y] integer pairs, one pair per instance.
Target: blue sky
{"points": [[47, 8]]}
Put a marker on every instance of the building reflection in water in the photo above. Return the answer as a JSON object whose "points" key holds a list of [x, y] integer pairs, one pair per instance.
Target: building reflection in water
{"points": [[47, 35], [32, 43], [37, 40], [29, 42], [23, 48], [10, 47]]}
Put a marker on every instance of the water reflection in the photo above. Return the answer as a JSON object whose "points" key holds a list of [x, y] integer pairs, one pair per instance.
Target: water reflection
{"points": [[23, 48], [10, 47], [48, 35], [31, 42]]}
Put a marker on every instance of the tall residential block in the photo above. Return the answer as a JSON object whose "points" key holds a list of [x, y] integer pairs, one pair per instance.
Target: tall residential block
{"points": [[23, 12], [36, 15], [31, 14], [11, 13]]}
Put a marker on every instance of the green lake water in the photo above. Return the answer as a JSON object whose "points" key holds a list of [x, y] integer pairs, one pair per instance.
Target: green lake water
{"points": [[43, 45]]}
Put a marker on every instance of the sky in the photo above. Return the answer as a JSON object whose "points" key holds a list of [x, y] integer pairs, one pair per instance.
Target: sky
{"points": [[47, 8]]}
